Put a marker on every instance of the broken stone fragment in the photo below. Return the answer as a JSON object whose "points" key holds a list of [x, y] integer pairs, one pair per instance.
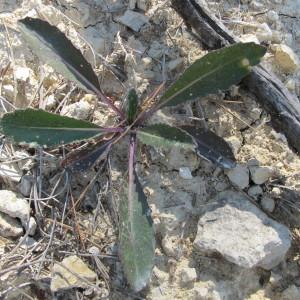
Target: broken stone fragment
{"points": [[286, 58], [75, 274], [133, 20], [260, 175], [239, 176], [14, 207], [10, 227], [241, 233]]}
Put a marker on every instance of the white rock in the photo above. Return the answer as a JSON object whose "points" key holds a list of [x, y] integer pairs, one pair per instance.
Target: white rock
{"points": [[64, 279], [50, 102], [185, 173], [242, 233], [256, 5], [235, 143], [249, 37], [264, 33], [9, 227], [175, 63], [268, 204], [260, 175], [200, 293], [133, 20], [32, 226], [272, 16], [28, 243], [286, 59], [14, 207], [22, 73], [187, 276], [239, 176], [255, 191], [291, 293], [79, 110], [8, 90], [291, 85], [10, 172]]}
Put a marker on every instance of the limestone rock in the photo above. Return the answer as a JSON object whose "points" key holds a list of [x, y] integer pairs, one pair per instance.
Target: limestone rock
{"points": [[260, 175], [10, 227], [187, 276], [14, 207], [286, 59], [79, 110], [133, 20], [241, 233], [239, 176], [64, 279]]}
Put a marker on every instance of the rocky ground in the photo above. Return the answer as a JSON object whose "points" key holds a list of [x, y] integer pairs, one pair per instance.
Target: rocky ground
{"points": [[220, 235]]}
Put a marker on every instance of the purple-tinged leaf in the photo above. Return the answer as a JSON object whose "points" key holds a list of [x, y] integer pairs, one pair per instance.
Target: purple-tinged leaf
{"points": [[212, 147], [136, 235], [83, 159]]}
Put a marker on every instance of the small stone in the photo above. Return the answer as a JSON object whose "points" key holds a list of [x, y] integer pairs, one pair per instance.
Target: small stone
{"points": [[291, 84], [272, 16], [8, 90], [264, 33], [22, 74], [239, 176], [255, 191], [64, 279], [185, 173], [187, 276], [133, 20], [276, 191], [286, 59], [291, 293], [79, 110], [175, 63], [260, 175], [247, 38], [268, 204], [50, 102], [200, 293], [28, 243], [242, 233], [235, 143], [25, 185], [256, 5], [32, 226], [14, 207], [9, 227]]}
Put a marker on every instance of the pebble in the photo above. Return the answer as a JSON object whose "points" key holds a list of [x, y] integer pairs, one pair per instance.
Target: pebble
{"points": [[260, 175], [8, 90], [239, 176], [25, 185], [255, 191], [264, 33], [133, 20], [286, 58], [79, 110], [50, 102], [22, 73], [268, 204], [32, 226], [14, 207], [242, 233], [187, 276], [63, 279], [185, 173], [10, 227]]}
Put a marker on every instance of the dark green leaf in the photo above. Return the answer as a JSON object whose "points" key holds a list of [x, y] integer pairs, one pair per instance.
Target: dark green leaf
{"points": [[132, 103], [217, 70], [165, 136], [136, 235], [83, 159], [55, 49], [43, 128], [212, 147]]}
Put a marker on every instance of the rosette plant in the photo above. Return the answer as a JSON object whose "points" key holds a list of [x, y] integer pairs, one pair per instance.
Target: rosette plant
{"points": [[217, 70]]}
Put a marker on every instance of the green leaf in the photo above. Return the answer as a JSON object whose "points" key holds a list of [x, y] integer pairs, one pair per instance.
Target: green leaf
{"points": [[165, 136], [132, 103], [217, 70], [55, 49], [212, 147], [136, 235], [43, 128]]}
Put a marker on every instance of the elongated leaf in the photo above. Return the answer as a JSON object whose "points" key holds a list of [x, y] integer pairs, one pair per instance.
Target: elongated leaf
{"points": [[165, 136], [83, 159], [43, 128], [212, 147], [55, 49], [136, 234], [217, 70], [132, 103]]}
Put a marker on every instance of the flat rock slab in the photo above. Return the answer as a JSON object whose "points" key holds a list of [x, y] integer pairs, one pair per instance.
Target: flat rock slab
{"points": [[242, 233], [133, 20], [72, 272]]}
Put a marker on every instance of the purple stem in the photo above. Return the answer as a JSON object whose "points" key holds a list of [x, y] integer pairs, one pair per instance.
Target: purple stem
{"points": [[110, 104], [131, 163]]}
